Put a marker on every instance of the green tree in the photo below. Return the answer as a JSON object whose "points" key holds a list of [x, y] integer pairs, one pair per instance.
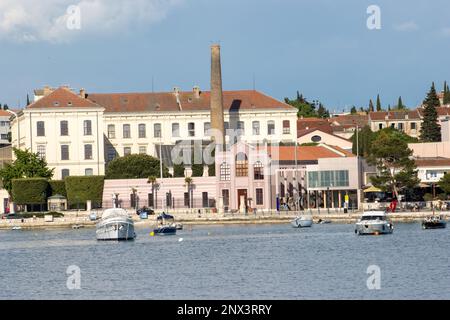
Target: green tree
{"points": [[444, 183], [28, 100], [134, 166], [379, 108], [189, 183], [322, 112], [371, 108], [26, 165], [353, 110], [430, 130], [400, 105], [308, 109], [153, 181], [365, 138], [446, 94], [396, 170]]}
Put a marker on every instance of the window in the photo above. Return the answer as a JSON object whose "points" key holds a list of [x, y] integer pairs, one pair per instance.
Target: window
{"points": [[87, 125], [205, 200], [258, 169], [4, 123], [241, 127], [111, 131], [126, 151], [64, 152], [175, 130], [400, 126], [157, 130], [413, 126], [259, 197], [40, 129], [241, 165], [88, 172], [65, 173], [255, 127], [325, 179], [187, 199], [191, 129], [64, 128], [126, 131], [393, 125], [41, 151], [380, 126], [4, 136], [286, 127], [316, 139], [271, 127], [226, 127], [142, 131], [226, 197], [142, 150], [225, 172], [111, 155], [206, 128], [88, 152]]}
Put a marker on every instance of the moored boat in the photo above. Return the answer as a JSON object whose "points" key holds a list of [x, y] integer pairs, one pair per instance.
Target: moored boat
{"points": [[302, 222], [374, 223], [115, 224], [434, 222], [166, 225]]}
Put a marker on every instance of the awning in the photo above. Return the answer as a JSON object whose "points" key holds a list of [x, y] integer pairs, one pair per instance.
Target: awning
{"points": [[372, 189]]}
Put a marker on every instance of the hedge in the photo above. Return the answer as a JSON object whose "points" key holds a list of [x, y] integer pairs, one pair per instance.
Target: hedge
{"points": [[57, 187], [29, 191], [84, 188]]}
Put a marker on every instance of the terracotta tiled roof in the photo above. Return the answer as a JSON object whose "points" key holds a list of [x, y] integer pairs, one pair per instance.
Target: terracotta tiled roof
{"points": [[313, 123], [350, 120], [432, 162], [394, 115], [62, 98], [307, 153], [4, 113], [167, 101]]}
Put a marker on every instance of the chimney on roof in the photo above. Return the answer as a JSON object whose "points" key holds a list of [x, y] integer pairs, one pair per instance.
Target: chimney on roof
{"points": [[176, 91], [196, 91], [47, 90], [217, 121], [83, 93]]}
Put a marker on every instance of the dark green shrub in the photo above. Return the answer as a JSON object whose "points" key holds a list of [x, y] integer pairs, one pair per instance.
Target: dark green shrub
{"points": [[84, 188], [29, 191], [57, 187]]}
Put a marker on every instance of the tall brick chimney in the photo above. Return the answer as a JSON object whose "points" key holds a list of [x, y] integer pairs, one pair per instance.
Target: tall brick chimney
{"points": [[217, 121]]}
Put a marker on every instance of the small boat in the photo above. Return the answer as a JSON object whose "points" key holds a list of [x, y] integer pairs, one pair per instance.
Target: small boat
{"points": [[115, 224], [165, 230], [302, 222], [323, 221], [434, 222], [16, 228], [179, 226], [166, 225], [77, 226], [374, 223]]}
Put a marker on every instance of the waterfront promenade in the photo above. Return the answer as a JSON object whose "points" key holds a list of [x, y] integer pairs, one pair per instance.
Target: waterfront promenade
{"points": [[82, 219]]}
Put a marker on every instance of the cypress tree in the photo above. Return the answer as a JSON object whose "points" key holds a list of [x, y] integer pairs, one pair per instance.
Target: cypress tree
{"points": [[378, 103], [400, 105], [430, 130], [371, 109], [446, 94], [28, 100]]}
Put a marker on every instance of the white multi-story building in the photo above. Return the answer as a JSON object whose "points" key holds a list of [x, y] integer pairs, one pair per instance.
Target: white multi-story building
{"points": [[4, 127], [79, 133]]}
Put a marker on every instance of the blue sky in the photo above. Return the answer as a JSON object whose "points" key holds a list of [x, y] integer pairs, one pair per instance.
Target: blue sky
{"points": [[322, 48]]}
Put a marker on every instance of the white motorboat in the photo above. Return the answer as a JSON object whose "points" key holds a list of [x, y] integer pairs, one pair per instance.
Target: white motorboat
{"points": [[115, 224], [302, 222], [374, 223]]}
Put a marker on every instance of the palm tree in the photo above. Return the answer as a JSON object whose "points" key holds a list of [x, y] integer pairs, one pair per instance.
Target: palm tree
{"points": [[152, 180], [189, 181]]}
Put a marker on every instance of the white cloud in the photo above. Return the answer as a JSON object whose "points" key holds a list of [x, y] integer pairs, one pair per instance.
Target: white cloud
{"points": [[406, 26], [46, 20]]}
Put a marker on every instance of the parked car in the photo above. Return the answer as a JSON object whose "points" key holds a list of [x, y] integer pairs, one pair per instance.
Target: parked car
{"points": [[146, 210]]}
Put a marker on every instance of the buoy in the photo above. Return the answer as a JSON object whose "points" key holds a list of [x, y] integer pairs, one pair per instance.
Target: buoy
{"points": [[180, 240], [152, 234]]}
